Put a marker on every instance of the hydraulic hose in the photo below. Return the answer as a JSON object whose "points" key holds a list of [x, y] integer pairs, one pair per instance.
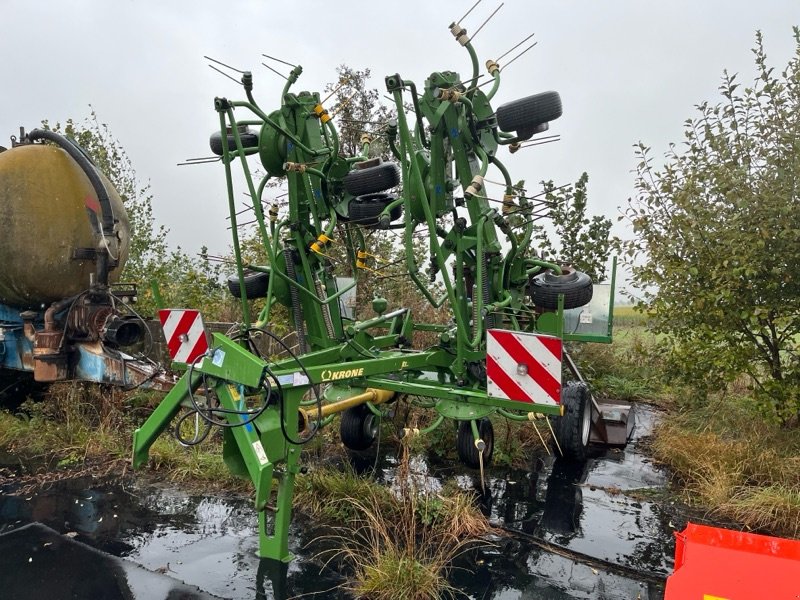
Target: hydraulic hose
{"points": [[77, 154]]}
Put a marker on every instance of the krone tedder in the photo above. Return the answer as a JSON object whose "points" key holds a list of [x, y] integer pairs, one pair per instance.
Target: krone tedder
{"points": [[501, 350]]}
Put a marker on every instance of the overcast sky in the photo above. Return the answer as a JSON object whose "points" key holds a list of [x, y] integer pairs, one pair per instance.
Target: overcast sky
{"points": [[626, 71]]}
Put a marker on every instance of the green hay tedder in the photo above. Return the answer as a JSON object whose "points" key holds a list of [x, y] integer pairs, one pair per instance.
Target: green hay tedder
{"points": [[500, 350]]}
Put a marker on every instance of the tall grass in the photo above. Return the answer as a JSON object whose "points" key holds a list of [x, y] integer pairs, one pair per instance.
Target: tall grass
{"points": [[397, 544], [74, 420], [739, 466], [76, 423]]}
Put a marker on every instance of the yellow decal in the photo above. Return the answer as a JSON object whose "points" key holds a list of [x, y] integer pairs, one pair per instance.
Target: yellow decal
{"points": [[328, 375], [707, 597], [404, 364]]}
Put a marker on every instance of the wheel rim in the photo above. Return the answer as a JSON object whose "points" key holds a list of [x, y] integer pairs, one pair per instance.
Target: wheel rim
{"points": [[586, 422], [488, 437], [371, 427]]}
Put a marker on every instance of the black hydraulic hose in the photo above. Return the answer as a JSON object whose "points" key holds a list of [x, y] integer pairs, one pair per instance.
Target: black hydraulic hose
{"points": [[80, 157], [418, 113]]}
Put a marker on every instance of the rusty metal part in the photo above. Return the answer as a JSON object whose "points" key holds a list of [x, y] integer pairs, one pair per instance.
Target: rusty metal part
{"points": [[49, 367], [85, 320]]}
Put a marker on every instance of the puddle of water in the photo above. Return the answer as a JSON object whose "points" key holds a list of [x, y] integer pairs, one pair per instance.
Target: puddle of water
{"points": [[37, 562], [210, 542]]}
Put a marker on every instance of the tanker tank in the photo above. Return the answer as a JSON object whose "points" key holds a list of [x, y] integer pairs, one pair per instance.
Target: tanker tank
{"points": [[64, 227], [64, 239]]}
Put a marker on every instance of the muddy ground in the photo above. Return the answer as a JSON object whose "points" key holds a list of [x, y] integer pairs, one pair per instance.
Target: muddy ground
{"points": [[602, 531]]}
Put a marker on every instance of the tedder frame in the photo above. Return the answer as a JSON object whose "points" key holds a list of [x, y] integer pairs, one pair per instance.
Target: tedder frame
{"points": [[500, 351]]}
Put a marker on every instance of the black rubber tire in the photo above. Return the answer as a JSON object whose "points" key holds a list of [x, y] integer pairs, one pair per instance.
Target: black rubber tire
{"points": [[358, 427], [526, 113], [545, 288], [364, 210], [465, 443], [256, 284], [249, 140], [573, 429], [372, 179]]}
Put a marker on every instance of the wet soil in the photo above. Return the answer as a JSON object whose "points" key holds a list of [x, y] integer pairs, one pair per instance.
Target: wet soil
{"points": [[604, 530]]}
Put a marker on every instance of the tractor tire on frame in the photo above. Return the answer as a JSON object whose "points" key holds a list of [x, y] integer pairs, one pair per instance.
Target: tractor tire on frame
{"points": [[465, 443], [358, 427], [372, 179], [573, 429], [249, 140], [527, 113], [545, 288], [256, 284], [365, 210]]}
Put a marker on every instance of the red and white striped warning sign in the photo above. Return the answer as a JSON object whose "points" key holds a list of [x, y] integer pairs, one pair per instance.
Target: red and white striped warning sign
{"points": [[525, 367], [185, 333]]}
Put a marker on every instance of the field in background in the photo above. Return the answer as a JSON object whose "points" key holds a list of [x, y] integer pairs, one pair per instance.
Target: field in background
{"points": [[724, 456]]}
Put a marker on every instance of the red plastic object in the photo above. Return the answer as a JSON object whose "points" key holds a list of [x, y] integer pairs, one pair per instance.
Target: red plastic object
{"points": [[719, 564]]}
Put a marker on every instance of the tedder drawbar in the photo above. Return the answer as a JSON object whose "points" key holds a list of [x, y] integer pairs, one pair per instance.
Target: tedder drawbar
{"points": [[501, 350]]}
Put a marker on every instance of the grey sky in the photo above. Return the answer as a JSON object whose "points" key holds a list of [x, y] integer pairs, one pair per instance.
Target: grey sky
{"points": [[626, 70]]}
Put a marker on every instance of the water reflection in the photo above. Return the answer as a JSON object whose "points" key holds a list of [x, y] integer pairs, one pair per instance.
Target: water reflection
{"points": [[211, 541]]}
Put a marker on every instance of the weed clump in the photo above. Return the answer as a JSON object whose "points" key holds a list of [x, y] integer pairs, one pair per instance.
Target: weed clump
{"points": [[397, 543]]}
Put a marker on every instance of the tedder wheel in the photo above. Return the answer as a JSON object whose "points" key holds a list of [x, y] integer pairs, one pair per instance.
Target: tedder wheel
{"points": [[256, 284], [545, 288], [572, 430], [249, 140], [366, 209], [526, 113], [358, 427], [372, 179], [465, 443]]}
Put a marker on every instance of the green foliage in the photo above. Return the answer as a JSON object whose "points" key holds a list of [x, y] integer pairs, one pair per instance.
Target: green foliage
{"points": [[717, 237], [358, 111], [584, 242], [182, 279]]}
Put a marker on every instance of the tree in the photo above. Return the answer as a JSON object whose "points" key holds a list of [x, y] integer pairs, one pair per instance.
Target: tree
{"points": [[183, 280], [583, 242], [717, 237], [358, 111]]}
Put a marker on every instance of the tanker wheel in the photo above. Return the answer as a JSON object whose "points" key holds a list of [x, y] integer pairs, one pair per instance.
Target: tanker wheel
{"points": [[573, 428], [465, 443], [545, 288], [256, 284], [527, 113], [358, 427], [372, 179], [366, 209], [249, 140]]}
